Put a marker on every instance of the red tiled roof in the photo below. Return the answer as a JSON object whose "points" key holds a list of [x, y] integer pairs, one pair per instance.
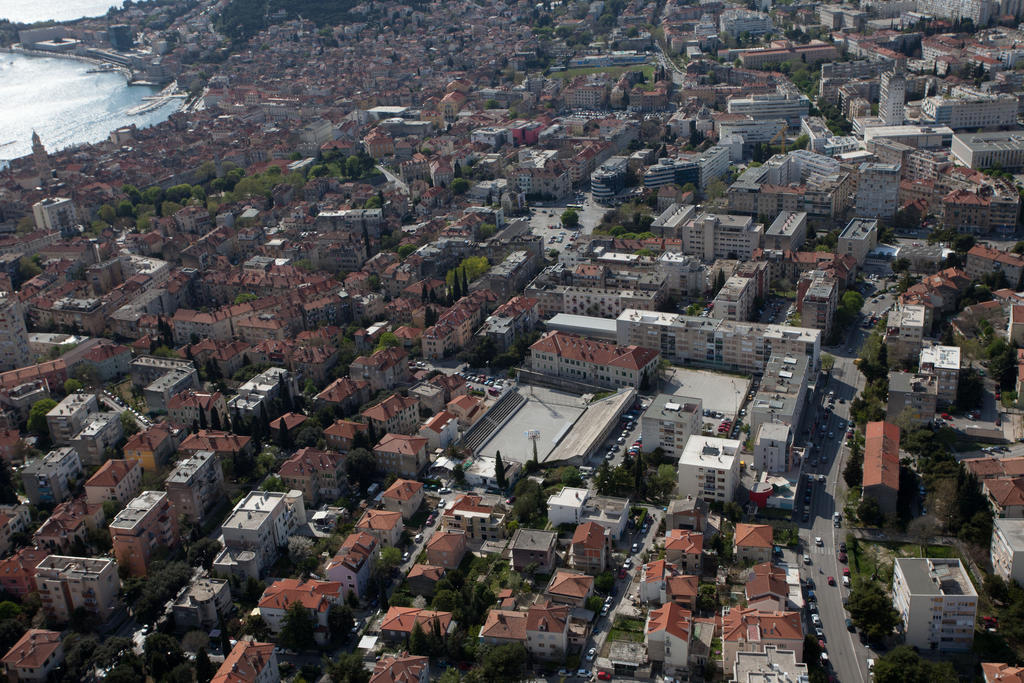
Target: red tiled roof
{"points": [[585, 350]]}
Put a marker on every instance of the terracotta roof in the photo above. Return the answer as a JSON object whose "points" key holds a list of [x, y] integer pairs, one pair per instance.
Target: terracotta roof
{"points": [[753, 536], [244, 664], [438, 422], [447, 541], [401, 619], [346, 429], [573, 347], [32, 649], [341, 389], [401, 443], [882, 455], [672, 619], [547, 617], [590, 535], [684, 541], [682, 587], [216, 441], [317, 596], [308, 461], [379, 520], [430, 572], [750, 625], [111, 472], [990, 254], [504, 624], [389, 407], [289, 421], [403, 489], [571, 584], [1002, 673], [1006, 492], [403, 668], [766, 579], [987, 468]]}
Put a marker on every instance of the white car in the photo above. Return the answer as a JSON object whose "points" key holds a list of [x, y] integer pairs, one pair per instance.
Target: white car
{"points": [[816, 620], [818, 542]]}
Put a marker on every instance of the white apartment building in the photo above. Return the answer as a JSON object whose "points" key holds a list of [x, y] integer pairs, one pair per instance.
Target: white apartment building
{"points": [[782, 395], [566, 506], [973, 110], [196, 485], [878, 188], [892, 100], [859, 237], [669, 422], [712, 236], [260, 391], [787, 232], [709, 468], [978, 11], [735, 300], [790, 106], [67, 583], [713, 163], [68, 417], [772, 447], [1008, 549], [709, 342], [904, 332], [257, 527], [14, 350], [736, 22], [985, 150], [943, 362], [937, 603], [55, 213]]}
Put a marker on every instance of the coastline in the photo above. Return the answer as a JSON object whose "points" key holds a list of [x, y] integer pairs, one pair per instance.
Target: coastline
{"points": [[19, 49]]}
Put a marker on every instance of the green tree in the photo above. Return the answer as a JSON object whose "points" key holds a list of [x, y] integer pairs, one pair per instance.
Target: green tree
{"points": [[72, 385], [161, 653], [871, 610], [297, 631], [128, 424], [504, 663], [348, 668], [460, 186], [604, 582], [570, 218], [903, 665], [37, 417], [418, 640], [203, 552], [499, 471], [361, 467], [707, 597]]}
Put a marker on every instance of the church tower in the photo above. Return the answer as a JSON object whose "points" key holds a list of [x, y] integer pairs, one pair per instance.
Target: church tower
{"points": [[40, 158]]}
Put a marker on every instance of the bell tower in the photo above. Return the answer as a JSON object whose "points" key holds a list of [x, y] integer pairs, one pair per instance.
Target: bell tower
{"points": [[40, 158]]}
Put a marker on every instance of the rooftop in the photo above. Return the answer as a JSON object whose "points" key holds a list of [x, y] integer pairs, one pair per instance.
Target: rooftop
{"points": [[937, 577]]}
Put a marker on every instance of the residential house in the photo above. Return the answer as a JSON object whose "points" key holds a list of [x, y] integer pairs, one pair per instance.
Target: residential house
{"points": [[34, 657], [118, 480], [882, 465], [752, 543], [225, 445], [480, 522], [441, 430], [403, 455], [422, 578], [18, 571], [504, 627], [398, 622], [396, 414], [447, 548], [767, 589], [14, 519], [468, 409], [147, 523], [590, 549], [69, 525], [667, 635], [352, 564], [404, 496], [1006, 494], [69, 583], [318, 474], [401, 668], [249, 662], [534, 549], [341, 435], [344, 394], [570, 587], [196, 485], [202, 410], [547, 631], [662, 582], [685, 549], [317, 597], [385, 369], [152, 447], [749, 630], [384, 525], [687, 513]]}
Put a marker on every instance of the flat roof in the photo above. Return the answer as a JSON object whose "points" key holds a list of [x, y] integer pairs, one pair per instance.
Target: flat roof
{"points": [[997, 141], [859, 228], [929, 576], [1012, 530]]}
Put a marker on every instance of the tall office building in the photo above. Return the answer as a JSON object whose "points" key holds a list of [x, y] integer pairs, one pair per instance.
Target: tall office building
{"points": [[892, 98], [13, 334]]}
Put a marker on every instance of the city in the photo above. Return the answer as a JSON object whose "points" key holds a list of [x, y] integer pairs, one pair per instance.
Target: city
{"points": [[412, 341]]}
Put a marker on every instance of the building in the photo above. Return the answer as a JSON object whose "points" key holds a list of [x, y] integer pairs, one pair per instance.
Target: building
{"points": [[318, 474], [202, 603], [401, 668], [972, 109], [99, 437], [570, 587], [667, 635], [609, 179], [36, 654], [752, 543], [818, 301], [317, 597], [479, 521], [882, 465], [447, 548], [942, 363], [14, 351], [534, 549], [860, 235], [18, 571], [1007, 549], [735, 300], [913, 398], [994, 672], [402, 455], [576, 506], [787, 232], [385, 526], [249, 662], [152, 447], [878, 187], [68, 417], [790, 106], [736, 22], [68, 583], [196, 408], [591, 548], [771, 663], [547, 631], [709, 342], [51, 478], [983, 260], [892, 98], [396, 413], [1003, 149], [147, 523], [579, 359], [669, 422], [711, 236], [196, 486], [403, 496], [352, 565], [750, 630], [440, 430], [685, 549], [936, 602], [905, 331], [709, 468], [258, 526], [117, 480], [773, 448], [398, 622]]}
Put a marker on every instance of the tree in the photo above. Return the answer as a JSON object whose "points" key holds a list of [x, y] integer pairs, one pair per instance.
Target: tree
{"points": [[204, 667], [504, 663], [499, 471], [361, 467], [869, 512], [707, 597], [72, 385], [570, 218], [128, 424], [340, 622], [390, 557], [604, 582], [203, 552], [297, 632], [460, 186], [348, 668], [37, 417], [161, 653], [903, 665], [871, 610], [418, 640]]}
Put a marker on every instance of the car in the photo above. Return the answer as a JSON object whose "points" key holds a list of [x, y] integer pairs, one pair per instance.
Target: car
{"points": [[441, 504], [591, 653], [807, 558], [405, 556], [609, 457], [871, 665], [816, 620], [849, 626], [821, 643], [605, 609], [846, 571], [620, 440], [582, 673], [628, 564], [842, 547], [445, 491], [846, 581], [564, 672], [636, 548], [818, 542], [510, 500], [947, 416], [842, 557], [430, 521], [604, 676], [622, 573], [418, 538], [831, 580], [998, 395]]}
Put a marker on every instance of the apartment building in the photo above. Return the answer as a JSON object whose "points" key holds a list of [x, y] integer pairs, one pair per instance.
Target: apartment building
{"points": [[14, 519], [936, 602], [383, 369], [882, 465], [750, 630], [51, 478], [55, 213], [709, 468], [860, 235], [972, 109], [197, 408], [787, 232], [258, 526], [100, 434], [118, 480], [579, 359], [66, 583], [152, 447], [943, 363], [384, 525], [202, 603], [667, 635], [14, 351], [913, 398], [534, 548], [712, 236], [773, 447], [685, 550], [254, 398], [818, 301], [735, 22], [249, 661], [878, 187], [480, 522], [398, 414], [1007, 549], [317, 597], [404, 496], [196, 485], [788, 105], [905, 331], [983, 260], [669, 422], [352, 564], [988, 150], [735, 300], [401, 455], [708, 342], [446, 548], [147, 523], [66, 418], [591, 548]]}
